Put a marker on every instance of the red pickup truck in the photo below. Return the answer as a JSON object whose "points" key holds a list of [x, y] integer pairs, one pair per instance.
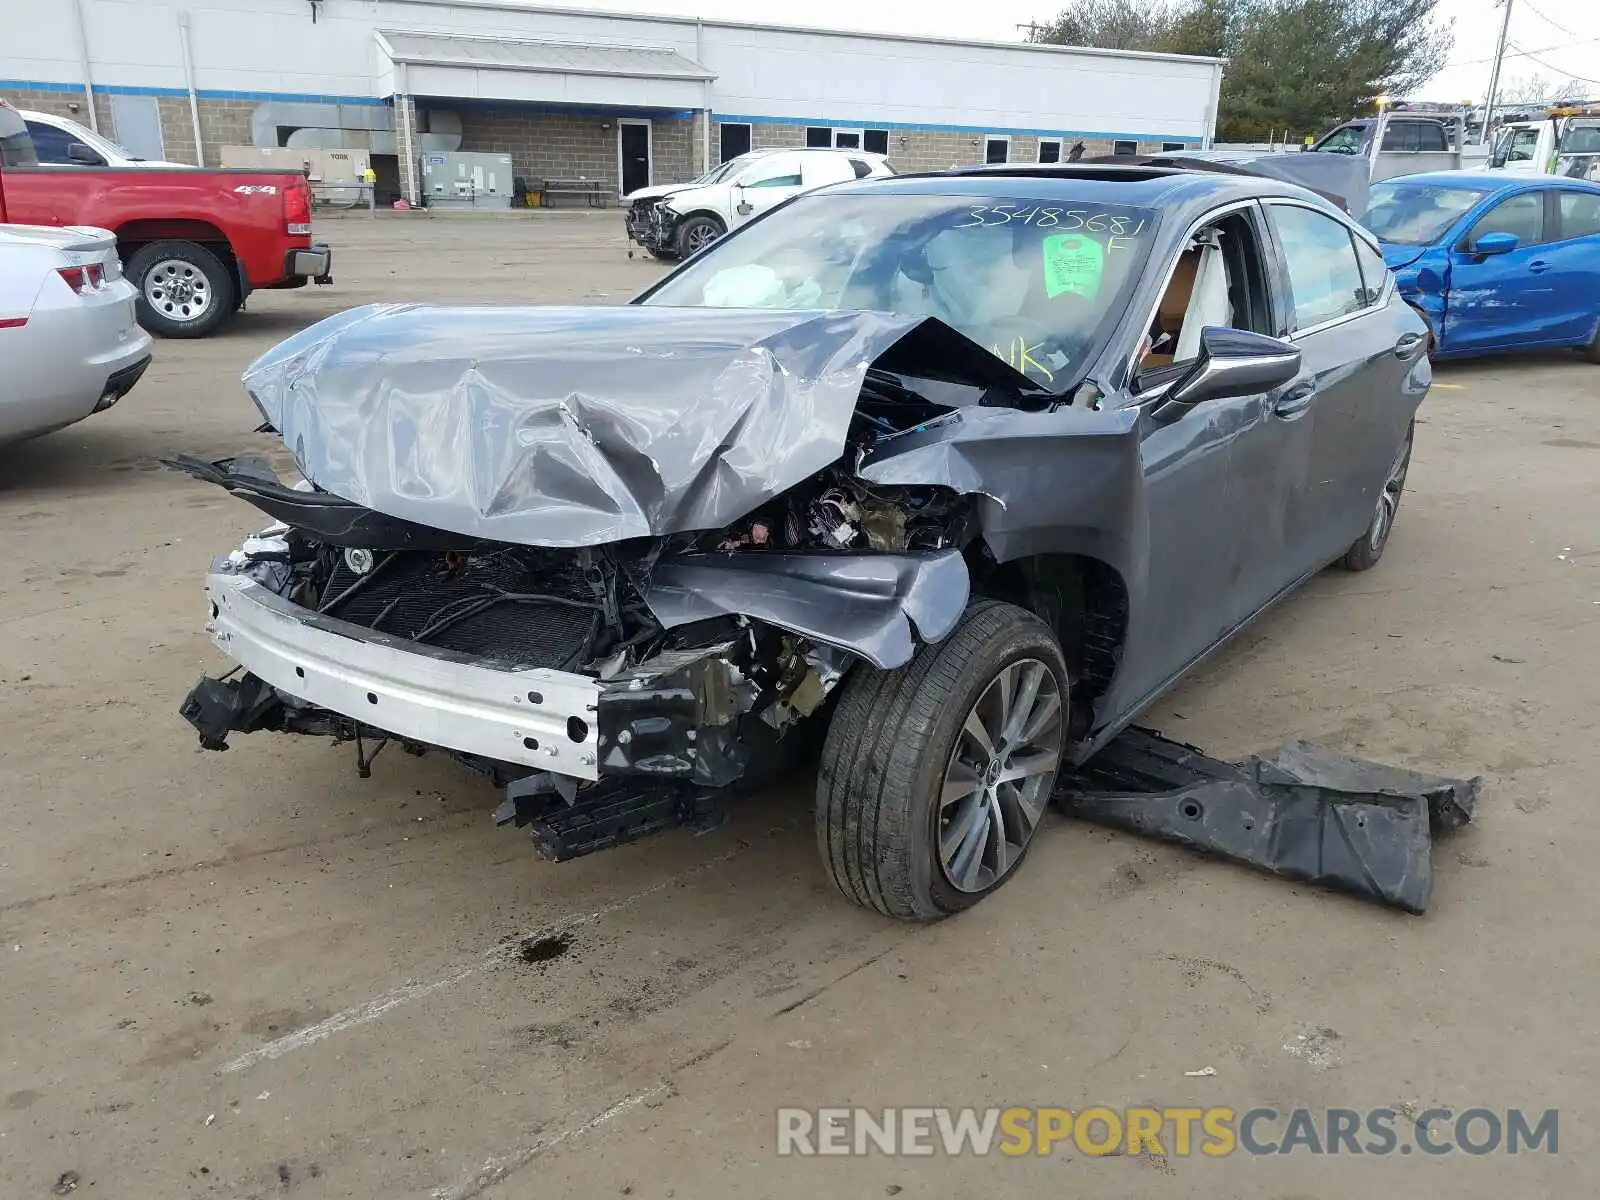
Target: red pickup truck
{"points": [[195, 242]]}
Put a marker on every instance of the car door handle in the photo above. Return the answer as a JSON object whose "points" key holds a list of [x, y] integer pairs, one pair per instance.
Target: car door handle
{"points": [[1295, 400], [1409, 344], [1538, 266]]}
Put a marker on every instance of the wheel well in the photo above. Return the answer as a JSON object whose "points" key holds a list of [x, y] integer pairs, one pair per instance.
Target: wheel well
{"points": [[1083, 599], [137, 234], [703, 212]]}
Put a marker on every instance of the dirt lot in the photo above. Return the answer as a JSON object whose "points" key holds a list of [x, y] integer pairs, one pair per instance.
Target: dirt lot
{"points": [[254, 974]]}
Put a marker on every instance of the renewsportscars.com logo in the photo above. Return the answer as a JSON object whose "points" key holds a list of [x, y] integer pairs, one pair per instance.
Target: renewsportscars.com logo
{"points": [[1213, 1132]]}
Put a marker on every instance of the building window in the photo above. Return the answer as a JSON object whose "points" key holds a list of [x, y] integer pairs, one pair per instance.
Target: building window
{"points": [[1170, 147], [847, 139], [734, 140], [875, 141], [997, 148], [819, 137], [1126, 149], [1049, 150]]}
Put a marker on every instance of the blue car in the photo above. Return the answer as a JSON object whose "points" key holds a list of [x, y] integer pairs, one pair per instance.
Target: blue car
{"points": [[1494, 262]]}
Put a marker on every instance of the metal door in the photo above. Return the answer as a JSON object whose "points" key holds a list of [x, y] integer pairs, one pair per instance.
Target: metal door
{"points": [[633, 147], [137, 120]]}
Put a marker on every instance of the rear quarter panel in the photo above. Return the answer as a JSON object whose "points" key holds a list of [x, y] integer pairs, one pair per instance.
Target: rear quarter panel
{"points": [[246, 207]]}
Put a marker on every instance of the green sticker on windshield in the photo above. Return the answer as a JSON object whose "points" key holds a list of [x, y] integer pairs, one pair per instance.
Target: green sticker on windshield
{"points": [[1073, 263]]}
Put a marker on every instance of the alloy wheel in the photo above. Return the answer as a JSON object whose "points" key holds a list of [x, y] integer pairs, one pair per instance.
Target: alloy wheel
{"points": [[997, 784], [1389, 497]]}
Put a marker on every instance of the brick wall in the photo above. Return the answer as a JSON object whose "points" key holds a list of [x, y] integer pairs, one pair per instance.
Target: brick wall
{"points": [[71, 105], [562, 146]]}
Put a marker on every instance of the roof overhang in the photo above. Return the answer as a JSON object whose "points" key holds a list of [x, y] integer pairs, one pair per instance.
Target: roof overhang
{"points": [[546, 72]]}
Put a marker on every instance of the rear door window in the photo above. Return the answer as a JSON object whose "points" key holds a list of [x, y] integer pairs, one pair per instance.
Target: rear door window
{"points": [[1324, 275], [1402, 135], [1580, 214]]}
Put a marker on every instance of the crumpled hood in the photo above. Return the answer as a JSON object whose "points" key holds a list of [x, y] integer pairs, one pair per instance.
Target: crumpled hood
{"points": [[655, 191], [577, 426]]}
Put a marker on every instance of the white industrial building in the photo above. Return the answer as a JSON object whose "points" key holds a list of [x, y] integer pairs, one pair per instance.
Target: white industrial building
{"points": [[576, 95]]}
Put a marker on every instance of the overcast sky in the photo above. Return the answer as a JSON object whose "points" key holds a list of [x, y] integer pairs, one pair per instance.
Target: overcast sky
{"points": [[1563, 35]]}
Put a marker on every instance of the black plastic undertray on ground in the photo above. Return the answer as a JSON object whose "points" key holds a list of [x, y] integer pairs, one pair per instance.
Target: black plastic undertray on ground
{"points": [[1303, 812]]}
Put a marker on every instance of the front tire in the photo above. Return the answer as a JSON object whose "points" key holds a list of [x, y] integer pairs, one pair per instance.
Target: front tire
{"points": [[185, 290], [697, 233], [1367, 549], [1593, 352], [935, 776]]}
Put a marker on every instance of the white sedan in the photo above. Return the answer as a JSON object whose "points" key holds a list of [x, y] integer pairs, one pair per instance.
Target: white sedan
{"points": [[68, 338]]}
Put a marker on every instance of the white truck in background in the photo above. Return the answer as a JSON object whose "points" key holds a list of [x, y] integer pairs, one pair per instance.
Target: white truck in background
{"points": [[1566, 141]]}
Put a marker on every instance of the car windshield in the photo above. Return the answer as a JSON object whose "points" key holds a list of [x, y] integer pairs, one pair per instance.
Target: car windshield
{"points": [[1039, 282], [721, 172], [1416, 214], [1346, 140], [1581, 139]]}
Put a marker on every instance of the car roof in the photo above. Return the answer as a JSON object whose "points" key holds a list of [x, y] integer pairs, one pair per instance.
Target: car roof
{"points": [[1137, 186], [1493, 181]]}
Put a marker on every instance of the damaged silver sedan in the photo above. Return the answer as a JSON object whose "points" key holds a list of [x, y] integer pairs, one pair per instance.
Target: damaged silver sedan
{"points": [[941, 479]]}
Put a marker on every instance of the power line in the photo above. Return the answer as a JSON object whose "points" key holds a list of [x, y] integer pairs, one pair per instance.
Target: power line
{"points": [[1558, 70], [1548, 21], [1473, 62]]}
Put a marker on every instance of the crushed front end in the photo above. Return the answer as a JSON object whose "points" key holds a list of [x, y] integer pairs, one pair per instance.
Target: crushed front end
{"points": [[617, 606], [543, 669]]}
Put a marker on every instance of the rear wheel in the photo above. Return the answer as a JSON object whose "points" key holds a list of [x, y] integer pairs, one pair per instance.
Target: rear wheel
{"points": [[185, 290], [1367, 549], [935, 776]]}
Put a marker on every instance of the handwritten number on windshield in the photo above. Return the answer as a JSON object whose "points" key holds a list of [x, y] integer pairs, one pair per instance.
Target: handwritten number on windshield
{"points": [[1066, 219]]}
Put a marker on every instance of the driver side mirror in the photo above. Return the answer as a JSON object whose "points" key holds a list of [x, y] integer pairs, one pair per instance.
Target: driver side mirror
{"points": [[79, 153], [1497, 242], [1231, 362]]}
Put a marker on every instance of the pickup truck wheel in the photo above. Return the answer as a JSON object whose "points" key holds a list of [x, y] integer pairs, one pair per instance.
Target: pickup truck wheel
{"points": [[185, 291], [1367, 549], [935, 776], [697, 233]]}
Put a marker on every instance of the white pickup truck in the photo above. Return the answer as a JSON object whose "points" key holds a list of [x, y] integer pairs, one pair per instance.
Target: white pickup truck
{"points": [[675, 221], [1399, 143], [1565, 142], [62, 142]]}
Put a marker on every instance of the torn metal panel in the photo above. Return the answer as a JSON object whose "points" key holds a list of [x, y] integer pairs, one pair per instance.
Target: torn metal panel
{"points": [[674, 718], [1303, 812], [1065, 481], [331, 518], [866, 603], [568, 427]]}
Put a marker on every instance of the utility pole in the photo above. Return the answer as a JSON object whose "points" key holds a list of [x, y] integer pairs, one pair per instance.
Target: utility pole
{"points": [[1494, 72]]}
